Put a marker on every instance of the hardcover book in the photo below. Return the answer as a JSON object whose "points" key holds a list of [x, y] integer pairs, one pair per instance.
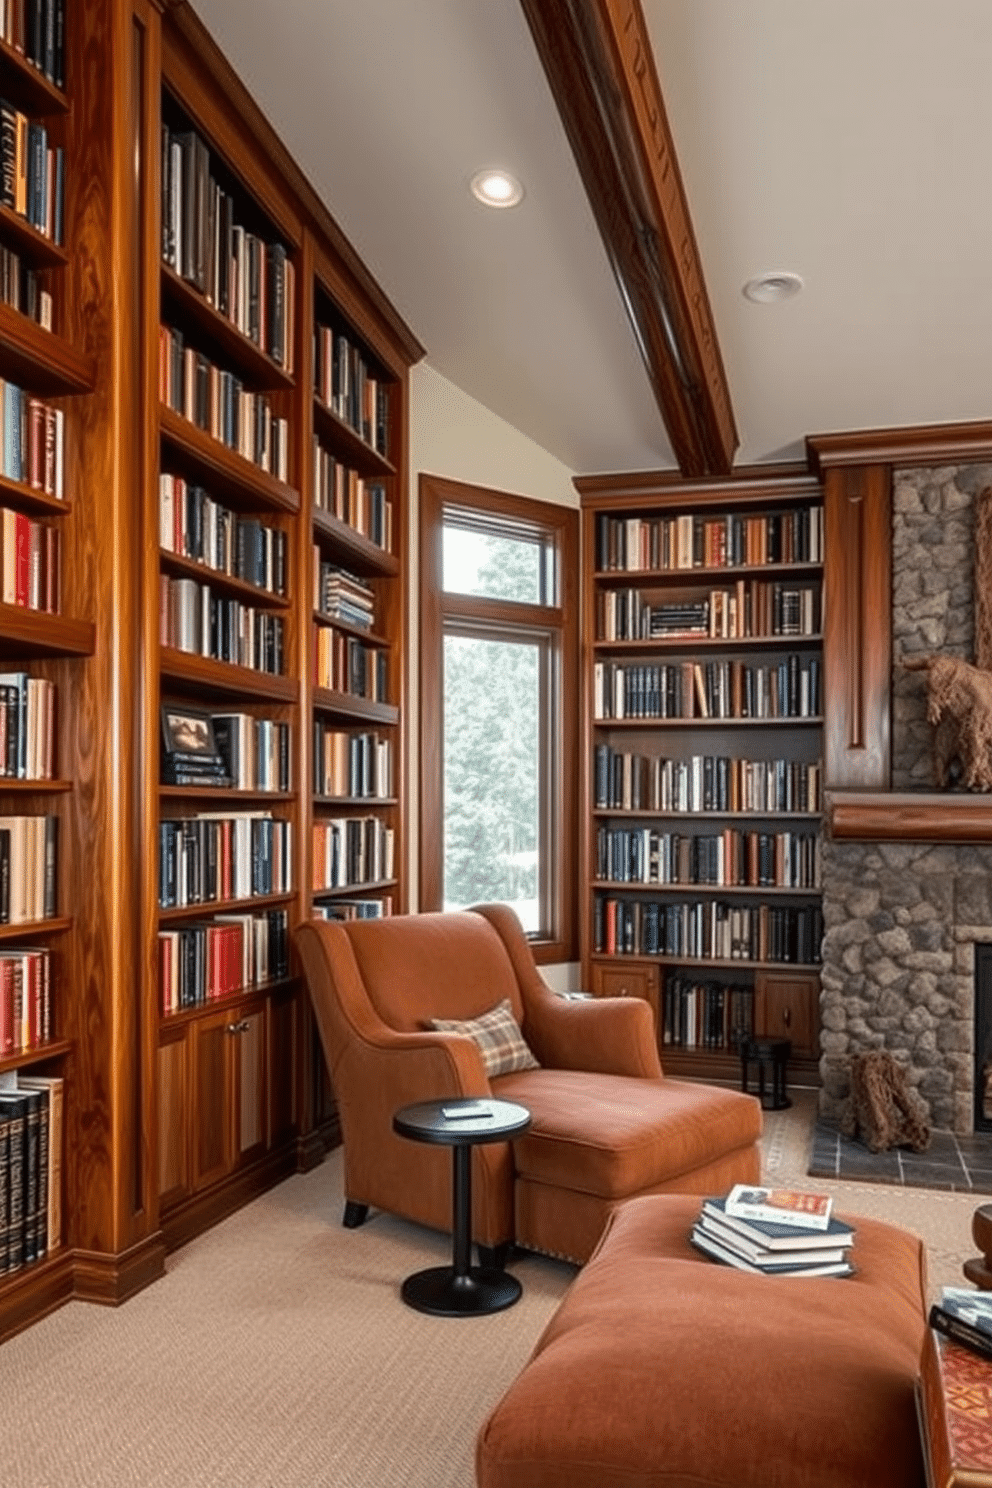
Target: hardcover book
{"points": [[954, 1405], [784, 1205]]}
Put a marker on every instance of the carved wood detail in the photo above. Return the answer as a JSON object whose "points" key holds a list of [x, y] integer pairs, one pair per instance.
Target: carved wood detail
{"points": [[857, 627]]}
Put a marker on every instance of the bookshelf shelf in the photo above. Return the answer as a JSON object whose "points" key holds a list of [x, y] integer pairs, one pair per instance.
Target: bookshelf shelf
{"points": [[57, 925], [211, 907], [344, 705], [28, 88], [230, 1001], [685, 759], [40, 1054], [31, 633], [356, 890], [226, 795], [40, 358], [203, 675], [33, 246], [354, 548], [182, 299], [223, 583], [226, 473], [353, 802], [347, 443]]}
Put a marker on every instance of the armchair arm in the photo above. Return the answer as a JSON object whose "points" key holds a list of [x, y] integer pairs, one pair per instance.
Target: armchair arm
{"points": [[610, 1035]]}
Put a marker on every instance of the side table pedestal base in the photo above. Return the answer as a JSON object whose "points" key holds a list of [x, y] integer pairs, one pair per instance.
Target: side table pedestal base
{"points": [[442, 1292]]}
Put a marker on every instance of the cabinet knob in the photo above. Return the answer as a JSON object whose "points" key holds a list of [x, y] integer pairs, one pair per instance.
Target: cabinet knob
{"points": [[241, 1027]]}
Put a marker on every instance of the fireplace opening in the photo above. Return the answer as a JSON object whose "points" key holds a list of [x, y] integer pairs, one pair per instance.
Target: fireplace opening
{"points": [[983, 1037]]}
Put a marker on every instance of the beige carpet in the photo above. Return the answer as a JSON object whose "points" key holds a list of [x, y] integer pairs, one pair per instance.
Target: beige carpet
{"points": [[276, 1350]]}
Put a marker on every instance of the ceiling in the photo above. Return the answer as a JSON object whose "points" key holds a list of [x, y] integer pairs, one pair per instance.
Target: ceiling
{"points": [[847, 142]]}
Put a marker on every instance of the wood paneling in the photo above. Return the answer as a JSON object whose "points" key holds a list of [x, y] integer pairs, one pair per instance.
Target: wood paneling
{"points": [[857, 631]]}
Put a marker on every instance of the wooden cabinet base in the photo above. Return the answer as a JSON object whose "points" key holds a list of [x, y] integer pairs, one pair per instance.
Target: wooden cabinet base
{"points": [[190, 1218], [34, 1292], [112, 1279]]}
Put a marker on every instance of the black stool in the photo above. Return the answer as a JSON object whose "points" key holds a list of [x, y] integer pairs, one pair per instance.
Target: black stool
{"points": [[773, 1052]]}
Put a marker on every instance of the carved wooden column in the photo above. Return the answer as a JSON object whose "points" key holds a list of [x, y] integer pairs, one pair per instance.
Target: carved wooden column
{"points": [[857, 627]]}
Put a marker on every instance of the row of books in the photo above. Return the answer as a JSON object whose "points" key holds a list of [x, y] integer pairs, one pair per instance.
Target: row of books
{"points": [[21, 288], [32, 441], [32, 173], [193, 618], [775, 1232], [28, 863], [217, 402], [250, 281], [31, 1144], [344, 382], [784, 860], [36, 29], [362, 504], [194, 525], [708, 930], [351, 850], [625, 781], [25, 998], [27, 727], [354, 909], [714, 689], [345, 664], [209, 960], [754, 609], [706, 1014], [346, 763], [255, 751], [731, 540], [214, 857], [30, 562], [339, 595]]}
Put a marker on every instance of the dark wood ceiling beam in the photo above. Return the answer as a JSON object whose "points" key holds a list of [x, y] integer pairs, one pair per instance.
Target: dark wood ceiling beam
{"points": [[599, 63]]}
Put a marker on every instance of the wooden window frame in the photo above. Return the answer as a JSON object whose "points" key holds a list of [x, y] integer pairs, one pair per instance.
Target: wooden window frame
{"points": [[472, 614]]}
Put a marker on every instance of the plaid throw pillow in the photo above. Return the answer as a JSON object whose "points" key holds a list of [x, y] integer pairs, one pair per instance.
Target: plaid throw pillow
{"points": [[498, 1036]]}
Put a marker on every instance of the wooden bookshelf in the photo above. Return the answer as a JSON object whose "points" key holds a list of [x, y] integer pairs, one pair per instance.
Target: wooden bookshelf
{"points": [[685, 735], [175, 1117]]}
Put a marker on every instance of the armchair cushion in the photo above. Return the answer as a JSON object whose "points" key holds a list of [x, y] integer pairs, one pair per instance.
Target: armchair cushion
{"points": [[497, 1033]]}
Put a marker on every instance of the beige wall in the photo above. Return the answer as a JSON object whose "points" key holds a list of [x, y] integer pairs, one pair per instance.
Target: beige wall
{"points": [[454, 436]]}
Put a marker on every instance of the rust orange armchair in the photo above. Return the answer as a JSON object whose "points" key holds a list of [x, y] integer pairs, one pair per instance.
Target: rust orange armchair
{"points": [[607, 1124]]}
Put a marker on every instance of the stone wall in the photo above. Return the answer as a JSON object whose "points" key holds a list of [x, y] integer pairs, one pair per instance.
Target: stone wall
{"points": [[901, 920], [932, 607]]}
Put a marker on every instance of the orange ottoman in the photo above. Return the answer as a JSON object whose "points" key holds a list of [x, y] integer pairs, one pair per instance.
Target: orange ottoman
{"points": [[662, 1369]]}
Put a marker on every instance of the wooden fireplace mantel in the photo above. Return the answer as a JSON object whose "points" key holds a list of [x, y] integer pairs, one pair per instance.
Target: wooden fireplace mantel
{"points": [[909, 816]]}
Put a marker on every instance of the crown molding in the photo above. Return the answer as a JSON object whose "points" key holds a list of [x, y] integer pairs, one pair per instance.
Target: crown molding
{"points": [[921, 444]]}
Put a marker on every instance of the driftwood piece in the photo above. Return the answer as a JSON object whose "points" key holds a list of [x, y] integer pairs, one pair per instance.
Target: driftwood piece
{"points": [[959, 704], [882, 1110]]}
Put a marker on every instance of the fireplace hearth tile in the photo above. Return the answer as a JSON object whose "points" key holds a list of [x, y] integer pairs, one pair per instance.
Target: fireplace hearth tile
{"points": [[952, 1164]]}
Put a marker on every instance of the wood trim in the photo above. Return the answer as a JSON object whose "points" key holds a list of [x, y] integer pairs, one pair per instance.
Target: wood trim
{"points": [[33, 1292], [857, 643], [599, 64], [434, 493], [921, 444], [781, 486], [112, 1279], [907, 816]]}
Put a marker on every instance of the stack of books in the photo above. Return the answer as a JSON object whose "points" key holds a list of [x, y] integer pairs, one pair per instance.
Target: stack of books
{"points": [[775, 1232], [966, 1316]]}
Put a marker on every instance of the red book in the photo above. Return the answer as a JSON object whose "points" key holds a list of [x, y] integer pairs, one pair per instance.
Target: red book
{"points": [[22, 559], [954, 1402], [7, 1043]]}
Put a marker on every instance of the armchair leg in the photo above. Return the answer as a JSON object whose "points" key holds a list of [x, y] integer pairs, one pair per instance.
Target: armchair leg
{"points": [[354, 1214], [494, 1257]]}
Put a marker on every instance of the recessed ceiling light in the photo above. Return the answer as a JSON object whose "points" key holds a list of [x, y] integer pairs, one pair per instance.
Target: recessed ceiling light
{"points": [[497, 188], [767, 288]]}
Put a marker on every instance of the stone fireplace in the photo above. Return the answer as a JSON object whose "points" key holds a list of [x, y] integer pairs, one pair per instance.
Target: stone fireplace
{"points": [[902, 912]]}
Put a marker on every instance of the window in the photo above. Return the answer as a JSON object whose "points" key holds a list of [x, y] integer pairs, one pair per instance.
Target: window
{"points": [[498, 687]]}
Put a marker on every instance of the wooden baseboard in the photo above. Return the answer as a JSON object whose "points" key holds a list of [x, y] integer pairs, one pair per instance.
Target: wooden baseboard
{"points": [[33, 1292], [200, 1213], [110, 1279]]}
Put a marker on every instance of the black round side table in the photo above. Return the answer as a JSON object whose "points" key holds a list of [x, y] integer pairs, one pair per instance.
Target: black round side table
{"points": [[461, 1290], [767, 1053]]}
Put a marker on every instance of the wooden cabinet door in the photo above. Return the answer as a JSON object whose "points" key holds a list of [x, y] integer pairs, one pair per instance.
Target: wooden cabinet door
{"points": [[213, 1137], [249, 1086], [173, 1117], [627, 981], [787, 1005]]}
